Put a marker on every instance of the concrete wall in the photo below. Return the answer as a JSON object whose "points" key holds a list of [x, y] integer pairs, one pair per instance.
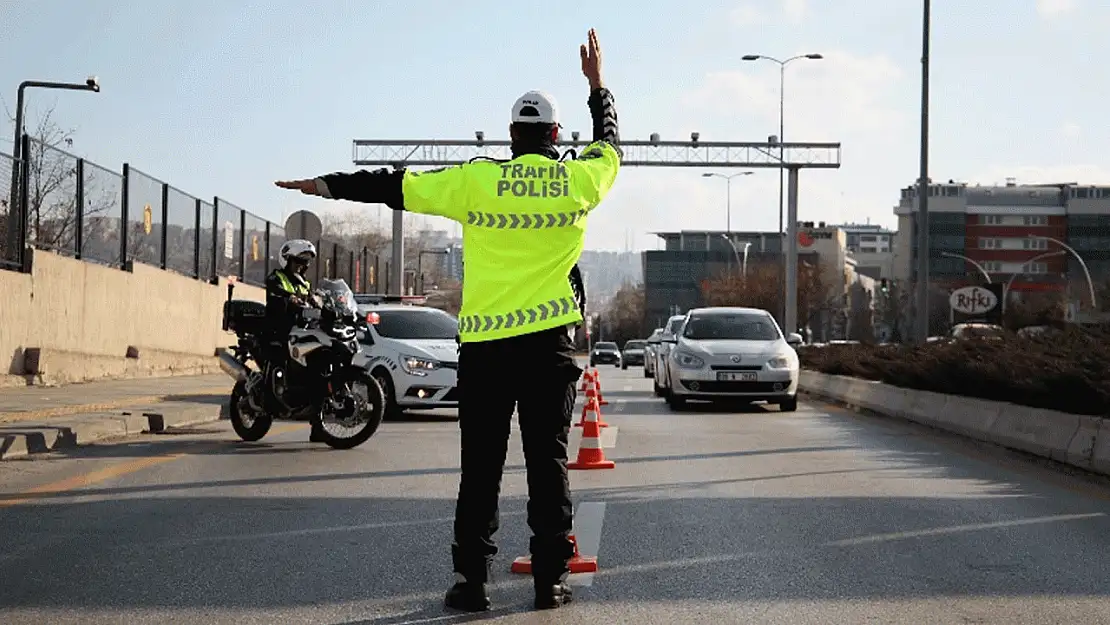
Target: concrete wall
{"points": [[70, 321]]}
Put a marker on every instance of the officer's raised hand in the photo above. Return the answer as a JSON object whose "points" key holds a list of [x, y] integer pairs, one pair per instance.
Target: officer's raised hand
{"points": [[591, 60], [306, 186]]}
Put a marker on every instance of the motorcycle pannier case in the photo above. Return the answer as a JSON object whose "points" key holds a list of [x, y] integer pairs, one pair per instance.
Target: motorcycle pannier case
{"points": [[244, 316]]}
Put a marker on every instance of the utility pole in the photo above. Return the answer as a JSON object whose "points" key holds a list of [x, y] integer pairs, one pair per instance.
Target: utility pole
{"points": [[922, 294]]}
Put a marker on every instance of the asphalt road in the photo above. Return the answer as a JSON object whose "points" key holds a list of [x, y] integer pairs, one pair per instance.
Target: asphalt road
{"points": [[710, 516]]}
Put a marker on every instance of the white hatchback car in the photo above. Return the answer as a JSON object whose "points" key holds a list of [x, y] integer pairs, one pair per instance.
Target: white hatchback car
{"points": [[732, 353]]}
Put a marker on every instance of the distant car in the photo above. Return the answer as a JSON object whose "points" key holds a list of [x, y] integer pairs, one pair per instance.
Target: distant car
{"points": [[982, 331], [633, 353], [653, 342], [670, 331], [606, 353], [733, 353]]}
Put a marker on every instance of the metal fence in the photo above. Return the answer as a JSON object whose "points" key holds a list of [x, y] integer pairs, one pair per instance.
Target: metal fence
{"points": [[71, 206]]}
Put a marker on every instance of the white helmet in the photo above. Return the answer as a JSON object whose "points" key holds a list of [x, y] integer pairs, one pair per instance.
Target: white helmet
{"points": [[301, 249]]}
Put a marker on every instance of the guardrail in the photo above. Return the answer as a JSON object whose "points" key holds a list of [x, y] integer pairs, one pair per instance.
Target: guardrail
{"points": [[72, 206]]}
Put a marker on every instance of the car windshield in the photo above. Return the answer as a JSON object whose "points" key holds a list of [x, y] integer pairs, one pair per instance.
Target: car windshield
{"points": [[338, 297], [635, 344], [672, 327], [737, 327], [605, 346], [416, 323]]}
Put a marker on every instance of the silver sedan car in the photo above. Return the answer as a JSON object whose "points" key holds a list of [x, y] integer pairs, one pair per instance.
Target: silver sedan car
{"points": [[732, 353]]}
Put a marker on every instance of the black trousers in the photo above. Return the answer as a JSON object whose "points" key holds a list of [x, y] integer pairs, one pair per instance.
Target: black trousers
{"points": [[536, 374]]}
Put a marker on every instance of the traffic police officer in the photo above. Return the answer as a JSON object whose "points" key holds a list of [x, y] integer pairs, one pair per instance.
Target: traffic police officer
{"points": [[524, 226], [287, 293]]}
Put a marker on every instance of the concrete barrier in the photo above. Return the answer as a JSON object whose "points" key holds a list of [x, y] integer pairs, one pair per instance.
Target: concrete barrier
{"points": [[1078, 440], [71, 321]]}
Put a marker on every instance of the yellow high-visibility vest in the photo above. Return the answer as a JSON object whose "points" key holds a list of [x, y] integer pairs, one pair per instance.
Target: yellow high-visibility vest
{"points": [[524, 228]]}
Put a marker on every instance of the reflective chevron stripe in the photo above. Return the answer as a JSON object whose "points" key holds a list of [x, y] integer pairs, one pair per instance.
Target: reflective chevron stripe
{"points": [[523, 221], [517, 318]]}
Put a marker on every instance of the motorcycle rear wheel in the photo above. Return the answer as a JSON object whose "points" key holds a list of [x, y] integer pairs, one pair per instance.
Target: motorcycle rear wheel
{"points": [[250, 428], [373, 414]]}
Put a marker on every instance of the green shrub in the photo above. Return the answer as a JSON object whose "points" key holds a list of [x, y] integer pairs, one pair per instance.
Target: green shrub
{"points": [[1069, 372]]}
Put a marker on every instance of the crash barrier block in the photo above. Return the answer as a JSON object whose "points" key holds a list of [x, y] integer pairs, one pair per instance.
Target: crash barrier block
{"points": [[1079, 440], [85, 319]]}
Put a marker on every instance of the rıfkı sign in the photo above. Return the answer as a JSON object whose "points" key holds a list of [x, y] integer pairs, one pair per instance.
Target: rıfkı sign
{"points": [[973, 300]]}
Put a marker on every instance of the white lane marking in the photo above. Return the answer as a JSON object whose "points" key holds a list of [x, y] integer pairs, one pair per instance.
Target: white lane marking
{"points": [[877, 538], [588, 522]]}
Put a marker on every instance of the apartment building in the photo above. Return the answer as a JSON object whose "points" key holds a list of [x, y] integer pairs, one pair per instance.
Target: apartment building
{"points": [[872, 247], [1012, 232]]}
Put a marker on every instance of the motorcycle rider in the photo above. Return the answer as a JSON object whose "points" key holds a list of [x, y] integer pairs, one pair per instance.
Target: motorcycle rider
{"points": [[288, 293], [524, 224]]}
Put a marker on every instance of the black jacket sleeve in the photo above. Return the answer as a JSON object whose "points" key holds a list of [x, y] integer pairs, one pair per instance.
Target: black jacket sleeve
{"points": [[380, 186], [603, 111]]}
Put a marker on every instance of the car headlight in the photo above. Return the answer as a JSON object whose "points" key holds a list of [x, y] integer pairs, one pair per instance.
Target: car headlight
{"points": [[778, 362], [414, 365], [688, 361]]}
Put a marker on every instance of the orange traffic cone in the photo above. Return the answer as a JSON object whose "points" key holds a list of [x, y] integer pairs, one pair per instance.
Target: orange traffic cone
{"points": [[591, 404], [597, 385], [578, 563], [587, 380], [590, 455]]}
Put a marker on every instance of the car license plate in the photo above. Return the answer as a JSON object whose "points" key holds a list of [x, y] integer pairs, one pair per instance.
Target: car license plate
{"points": [[736, 376]]}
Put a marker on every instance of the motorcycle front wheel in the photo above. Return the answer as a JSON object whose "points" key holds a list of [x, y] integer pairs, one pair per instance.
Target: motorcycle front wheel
{"points": [[248, 424], [371, 411]]}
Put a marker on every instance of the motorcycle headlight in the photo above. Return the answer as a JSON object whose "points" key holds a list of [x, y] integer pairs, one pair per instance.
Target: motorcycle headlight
{"points": [[778, 362], [688, 361], [414, 365]]}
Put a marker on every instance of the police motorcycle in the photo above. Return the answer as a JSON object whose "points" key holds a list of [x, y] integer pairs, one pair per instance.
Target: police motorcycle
{"points": [[325, 367]]}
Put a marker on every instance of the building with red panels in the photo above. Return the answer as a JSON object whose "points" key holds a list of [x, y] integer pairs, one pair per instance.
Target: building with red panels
{"points": [[1013, 233]]}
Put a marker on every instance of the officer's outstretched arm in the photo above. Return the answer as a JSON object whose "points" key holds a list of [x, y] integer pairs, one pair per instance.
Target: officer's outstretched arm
{"points": [[441, 192], [595, 170]]}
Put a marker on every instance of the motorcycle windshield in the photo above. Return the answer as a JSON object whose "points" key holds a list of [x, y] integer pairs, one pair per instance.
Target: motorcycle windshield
{"points": [[338, 297]]}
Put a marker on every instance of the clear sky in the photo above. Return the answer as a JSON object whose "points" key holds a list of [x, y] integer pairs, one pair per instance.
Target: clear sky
{"points": [[221, 97]]}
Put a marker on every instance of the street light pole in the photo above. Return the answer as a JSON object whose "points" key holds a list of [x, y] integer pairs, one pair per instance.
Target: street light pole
{"points": [[15, 224], [922, 294], [978, 266], [782, 112], [782, 131], [1082, 264], [728, 194], [1010, 282]]}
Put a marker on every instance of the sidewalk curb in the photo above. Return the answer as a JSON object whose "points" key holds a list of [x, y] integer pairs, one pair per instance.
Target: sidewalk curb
{"points": [[23, 439]]}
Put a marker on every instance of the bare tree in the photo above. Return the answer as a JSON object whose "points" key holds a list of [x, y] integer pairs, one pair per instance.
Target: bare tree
{"points": [[51, 192], [761, 288], [624, 316]]}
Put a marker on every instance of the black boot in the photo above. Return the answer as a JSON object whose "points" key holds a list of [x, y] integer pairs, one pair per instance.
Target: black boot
{"points": [[468, 597], [551, 596], [316, 435]]}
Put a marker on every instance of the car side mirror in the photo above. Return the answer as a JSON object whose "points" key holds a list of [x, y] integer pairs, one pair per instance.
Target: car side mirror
{"points": [[794, 339]]}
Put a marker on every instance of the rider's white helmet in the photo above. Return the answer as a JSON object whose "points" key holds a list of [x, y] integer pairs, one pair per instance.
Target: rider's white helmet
{"points": [[296, 248]]}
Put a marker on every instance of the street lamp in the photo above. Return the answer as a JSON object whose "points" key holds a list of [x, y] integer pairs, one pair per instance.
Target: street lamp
{"points": [[736, 253], [782, 110], [1086, 272], [981, 269], [791, 261], [728, 194], [15, 226], [1010, 282]]}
